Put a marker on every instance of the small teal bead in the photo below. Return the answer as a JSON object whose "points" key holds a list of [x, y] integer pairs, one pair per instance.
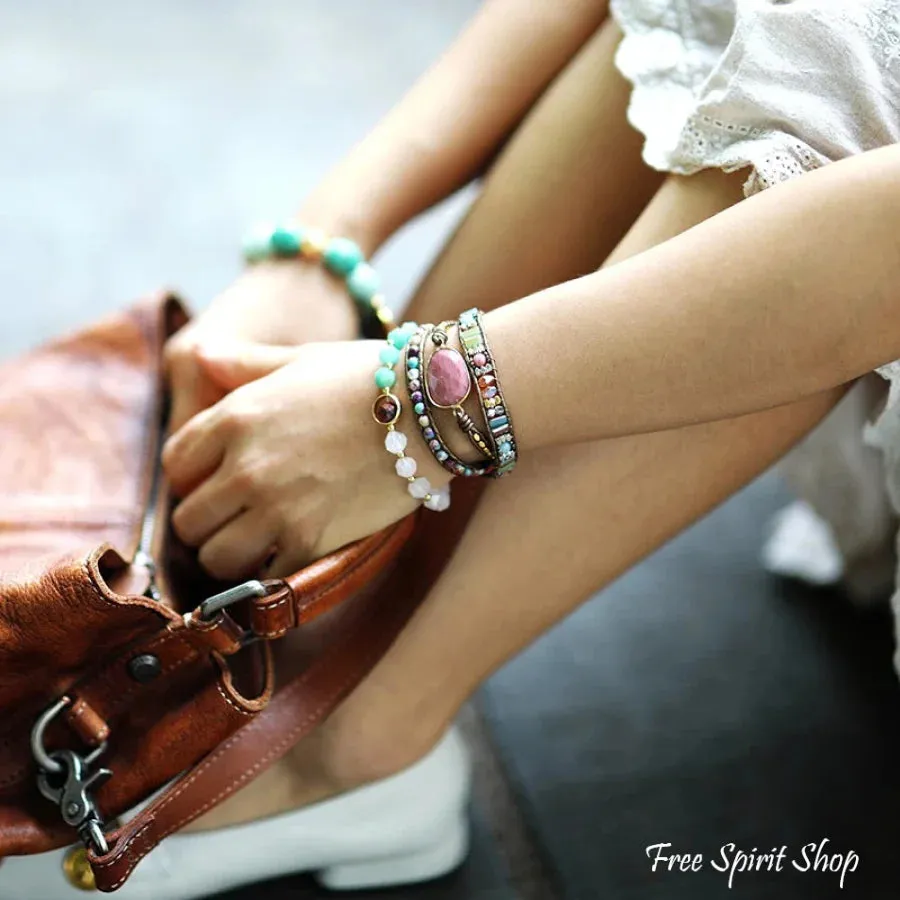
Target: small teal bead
{"points": [[410, 327], [414, 362], [399, 338], [390, 356], [342, 256], [384, 377], [363, 283], [419, 408], [257, 244], [286, 241]]}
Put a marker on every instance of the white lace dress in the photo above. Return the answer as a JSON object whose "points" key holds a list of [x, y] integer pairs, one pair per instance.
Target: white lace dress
{"points": [[779, 87]]}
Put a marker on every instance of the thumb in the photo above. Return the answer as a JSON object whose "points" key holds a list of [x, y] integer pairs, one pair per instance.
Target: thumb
{"points": [[230, 365]]}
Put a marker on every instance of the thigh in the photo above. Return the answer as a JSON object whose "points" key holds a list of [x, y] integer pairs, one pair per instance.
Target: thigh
{"points": [[558, 198]]}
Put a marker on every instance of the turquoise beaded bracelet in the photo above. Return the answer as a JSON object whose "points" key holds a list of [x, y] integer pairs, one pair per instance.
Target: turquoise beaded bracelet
{"points": [[340, 256], [386, 411]]}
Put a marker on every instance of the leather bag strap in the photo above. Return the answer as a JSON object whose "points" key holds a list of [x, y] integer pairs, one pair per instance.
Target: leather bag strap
{"points": [[294, 711]]}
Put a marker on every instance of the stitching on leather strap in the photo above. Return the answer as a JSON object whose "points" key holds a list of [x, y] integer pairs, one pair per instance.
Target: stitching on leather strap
{"points": [[230, 701], [131, 862], [267, 607], [291, 736]]}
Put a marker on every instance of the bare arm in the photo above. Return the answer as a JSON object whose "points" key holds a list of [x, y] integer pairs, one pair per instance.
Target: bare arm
{"points": [[444, 131], [787, 294], [784, 296]]}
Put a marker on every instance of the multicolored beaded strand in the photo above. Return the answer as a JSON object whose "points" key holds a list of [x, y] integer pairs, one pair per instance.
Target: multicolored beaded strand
{"points": [[386, 411], [427, 424], [341, 256], [448, 384], [496, 413]]}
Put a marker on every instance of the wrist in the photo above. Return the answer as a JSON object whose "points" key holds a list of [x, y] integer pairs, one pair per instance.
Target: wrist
{"points": [[326, 210]]}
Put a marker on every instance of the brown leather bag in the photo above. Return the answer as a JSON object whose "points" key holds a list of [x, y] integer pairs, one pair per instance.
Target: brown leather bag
{"points": [[122, 667]]}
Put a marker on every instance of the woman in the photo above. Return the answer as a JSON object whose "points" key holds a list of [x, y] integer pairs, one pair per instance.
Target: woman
{"points": [[643, 393]]}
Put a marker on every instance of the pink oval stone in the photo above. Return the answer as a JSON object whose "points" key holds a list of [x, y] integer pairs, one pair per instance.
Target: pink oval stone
{"points": [[448, 377]]}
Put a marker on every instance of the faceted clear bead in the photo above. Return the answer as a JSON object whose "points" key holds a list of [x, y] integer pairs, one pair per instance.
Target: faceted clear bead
{"points": [[405, 466], [395, 441], [440, 500], [420, 488]]}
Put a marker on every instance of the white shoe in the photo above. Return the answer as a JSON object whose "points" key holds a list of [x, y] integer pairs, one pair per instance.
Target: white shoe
{"points": [[407, 828], [802, 545]]}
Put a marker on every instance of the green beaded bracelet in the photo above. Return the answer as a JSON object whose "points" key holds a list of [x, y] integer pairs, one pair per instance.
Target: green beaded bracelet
{"points": [[340, 256]]}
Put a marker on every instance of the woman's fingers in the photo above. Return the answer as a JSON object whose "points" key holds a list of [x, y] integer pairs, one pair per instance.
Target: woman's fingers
{"points": [[230, 365], [208, 508], [241, 547], [191, 387], [196, 450]]}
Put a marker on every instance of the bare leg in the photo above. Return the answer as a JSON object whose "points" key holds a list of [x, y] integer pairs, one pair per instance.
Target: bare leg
{"points": [[566, 523]]}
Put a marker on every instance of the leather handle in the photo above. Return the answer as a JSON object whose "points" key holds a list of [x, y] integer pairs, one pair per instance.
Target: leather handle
{"points": [[294, 711], [328, 582]]}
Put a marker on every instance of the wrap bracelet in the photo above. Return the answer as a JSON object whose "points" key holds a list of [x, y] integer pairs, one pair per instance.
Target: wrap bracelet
{"points": [[386, 411], [450, 384], [340, 256], [490, 395]]}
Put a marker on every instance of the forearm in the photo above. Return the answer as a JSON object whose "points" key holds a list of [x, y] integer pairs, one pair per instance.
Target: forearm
{"points": [[454, 119], [787, 294]]}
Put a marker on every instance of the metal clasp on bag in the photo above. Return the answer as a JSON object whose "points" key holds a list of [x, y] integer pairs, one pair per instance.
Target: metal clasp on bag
{"points": [[214, 606], [249, 590], [69, 780]]}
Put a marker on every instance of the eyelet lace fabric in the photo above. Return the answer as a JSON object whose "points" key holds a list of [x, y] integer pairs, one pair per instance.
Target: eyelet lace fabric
{"points": [[778, 88]]}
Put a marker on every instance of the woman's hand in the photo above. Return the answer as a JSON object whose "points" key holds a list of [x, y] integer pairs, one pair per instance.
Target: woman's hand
{"points": [[290, 462], [274, 302]]}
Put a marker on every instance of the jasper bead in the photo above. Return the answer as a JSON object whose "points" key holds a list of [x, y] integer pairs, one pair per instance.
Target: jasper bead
{"points": [[363, 284], [385, 377], [399, 338], [342, 256], [447, 378], [286, 241], [258, 243], [386, 409], [389, 355]]}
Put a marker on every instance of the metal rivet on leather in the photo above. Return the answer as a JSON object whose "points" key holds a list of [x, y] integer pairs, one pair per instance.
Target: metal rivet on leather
{"points": [[144, 668], [78, 870]]}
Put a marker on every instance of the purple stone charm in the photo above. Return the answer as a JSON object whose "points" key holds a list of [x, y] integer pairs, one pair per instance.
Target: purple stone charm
{"points": [[386, 409], [447, 378]]}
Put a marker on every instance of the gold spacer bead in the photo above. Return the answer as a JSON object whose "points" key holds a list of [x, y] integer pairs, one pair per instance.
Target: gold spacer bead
{"points": [[78, 870], [377, 302], [313, 244], [385, 316]]}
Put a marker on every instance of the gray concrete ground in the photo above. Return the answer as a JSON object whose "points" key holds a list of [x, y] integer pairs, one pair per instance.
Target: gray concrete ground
{"points": [[695, 701]]}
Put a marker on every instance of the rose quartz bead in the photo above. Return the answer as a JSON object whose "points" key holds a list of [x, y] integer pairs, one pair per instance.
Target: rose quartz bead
{"points": [[448, 377]]}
